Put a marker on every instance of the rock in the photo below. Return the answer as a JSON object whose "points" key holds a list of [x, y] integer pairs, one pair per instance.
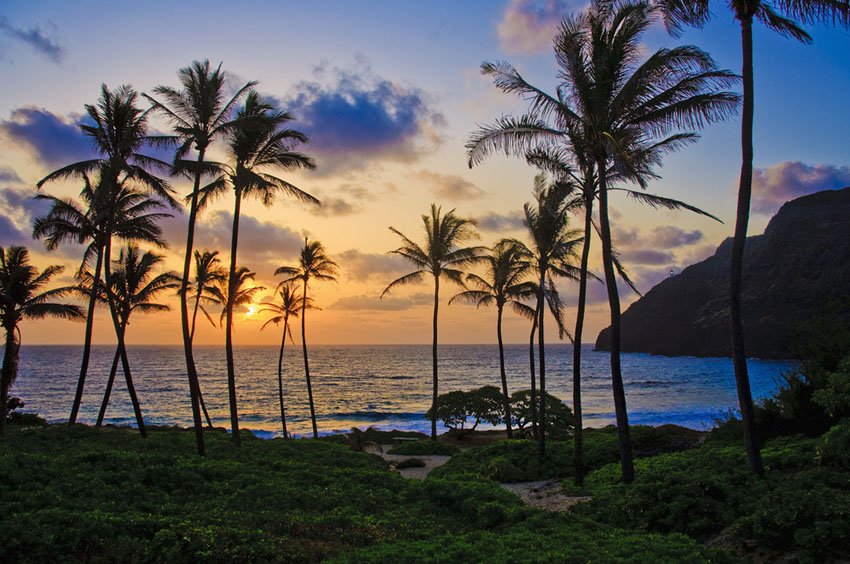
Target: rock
{"points": [[800, 264]]}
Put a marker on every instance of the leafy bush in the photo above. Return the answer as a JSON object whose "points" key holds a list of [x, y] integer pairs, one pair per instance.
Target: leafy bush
{"points": [[424, 448], [559, 417], [455, 409], [410, 463], [834, 446], [834, 396], [18, 418]]}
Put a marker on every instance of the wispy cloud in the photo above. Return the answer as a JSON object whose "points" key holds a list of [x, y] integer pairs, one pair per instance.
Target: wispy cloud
{"points": [[779, 183], [528, 26], [9, 175], [387, 303], [55, 140], [500, 222], [36, 38], [449, 187], [361, 266]]}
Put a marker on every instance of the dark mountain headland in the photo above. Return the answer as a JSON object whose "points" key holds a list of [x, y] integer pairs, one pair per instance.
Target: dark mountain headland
{"points": [[800, 264]]}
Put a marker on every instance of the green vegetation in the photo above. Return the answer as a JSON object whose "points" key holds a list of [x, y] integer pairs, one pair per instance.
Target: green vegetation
{"points": [[456, 409], [424, 448], [108, 495]]}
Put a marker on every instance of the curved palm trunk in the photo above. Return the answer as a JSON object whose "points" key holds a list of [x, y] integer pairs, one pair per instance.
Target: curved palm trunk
{"points": [[11, 356], [578, 449], [84, 367], [192, 342], [434, 359], [122, 349], [739, 354], [541, 314], [191, 370], [106, 394], [280, 375], [306, 362], [506, 396], [624, 439], [228, 332], [533, 377]]}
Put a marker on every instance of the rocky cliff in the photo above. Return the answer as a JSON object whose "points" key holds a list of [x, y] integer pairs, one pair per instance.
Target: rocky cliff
{"points": [[800, 263]]}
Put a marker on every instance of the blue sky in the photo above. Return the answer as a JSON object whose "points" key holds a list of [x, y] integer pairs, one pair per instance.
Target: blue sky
{"points": [[389, 92]]}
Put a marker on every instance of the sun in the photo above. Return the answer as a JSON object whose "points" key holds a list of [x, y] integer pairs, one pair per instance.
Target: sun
{"points": [[251, 311]]}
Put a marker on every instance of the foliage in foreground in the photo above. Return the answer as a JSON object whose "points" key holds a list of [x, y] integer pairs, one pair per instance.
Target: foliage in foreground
{"points": [[108, 495]]}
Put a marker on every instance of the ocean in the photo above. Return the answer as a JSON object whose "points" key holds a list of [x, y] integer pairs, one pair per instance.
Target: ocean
{"points": [[386, 386]]}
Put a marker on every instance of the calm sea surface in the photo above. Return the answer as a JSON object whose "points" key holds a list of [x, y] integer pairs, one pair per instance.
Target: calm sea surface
{"points": [[385, 386]]}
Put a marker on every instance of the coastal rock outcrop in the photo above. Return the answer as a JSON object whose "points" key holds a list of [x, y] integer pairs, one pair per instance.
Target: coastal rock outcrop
{"points": [[799, 264]]}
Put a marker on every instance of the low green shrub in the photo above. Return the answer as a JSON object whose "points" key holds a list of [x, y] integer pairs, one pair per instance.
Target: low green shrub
{"points": [[834, 446], [424, 448]]}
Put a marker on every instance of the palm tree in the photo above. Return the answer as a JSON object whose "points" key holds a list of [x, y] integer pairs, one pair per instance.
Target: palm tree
{"points": [[118, 131], [199, 113], [778, 16], [209, 274], [313, 263], [618, 108], [550, 256], [505, 271], [21, 297], [257, 144], [441, 258], [290, 304], [133, 287]]}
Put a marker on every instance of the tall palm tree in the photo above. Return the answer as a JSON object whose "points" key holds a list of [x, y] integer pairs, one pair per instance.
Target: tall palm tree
{"points": [[199, 112], [550, 255], [618, 107], [289, 304], [441, 258], [209, 274], [22, 296], [258, 144], [313, 263], [118, 131], [133, 287], [504, 284], [784, 17]]}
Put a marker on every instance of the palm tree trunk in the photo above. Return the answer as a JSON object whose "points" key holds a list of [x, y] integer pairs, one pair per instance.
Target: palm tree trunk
{"points": [[122, 349], [739, 354], [201, 401], [280, 375], [578, 449], [108, 392], [306, 362], [505, 394], [7, 374], [541, 427], [84, 367], [624, 439], [533, 377], [434, 359], [228, 331], [191, 370]]}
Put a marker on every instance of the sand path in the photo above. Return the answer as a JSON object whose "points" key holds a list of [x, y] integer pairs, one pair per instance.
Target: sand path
{"points": [[431, 461]]}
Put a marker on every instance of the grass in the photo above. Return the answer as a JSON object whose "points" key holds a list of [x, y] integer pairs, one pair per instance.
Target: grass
{"points": [[82, 494]]}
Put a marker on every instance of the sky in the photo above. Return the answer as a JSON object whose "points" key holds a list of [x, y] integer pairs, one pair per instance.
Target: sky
{"points": [[389, 92]]}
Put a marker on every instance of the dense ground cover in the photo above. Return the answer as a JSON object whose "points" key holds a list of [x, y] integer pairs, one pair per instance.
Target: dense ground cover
{"points": [[83, 494]]}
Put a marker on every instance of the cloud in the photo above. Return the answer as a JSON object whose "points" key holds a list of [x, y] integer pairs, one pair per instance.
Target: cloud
{"points": [[647, 256], [775, 185], [17, 211], [9, 175], [36, 38], [387, 303], [365, 266], [54, 139], [354, 116], [670, 237], [333, 206], [449, 186], [528, 26], [501, 221]]}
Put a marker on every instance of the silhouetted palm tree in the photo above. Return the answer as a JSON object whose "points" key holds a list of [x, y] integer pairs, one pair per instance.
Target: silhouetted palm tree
{"points": [[313, 263], [619, 108], [199, 112], [118, 131], [290, 304], [133, 287], [503, 285], [22, 297], [256, 145], [550, 255], [440, 258], [778, 16]]}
